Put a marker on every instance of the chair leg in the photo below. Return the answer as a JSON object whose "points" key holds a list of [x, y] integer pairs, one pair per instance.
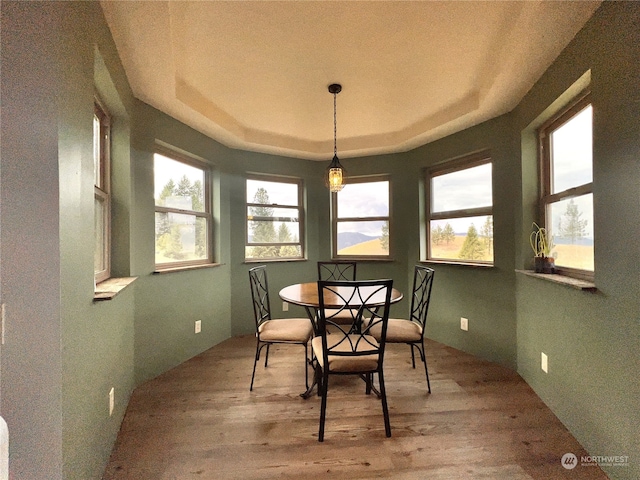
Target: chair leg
{"points": [[323, 405], [318, 373], [255, 361], [426, 370], [385, 408], [413, 357], [266, 357], [306, 366]]}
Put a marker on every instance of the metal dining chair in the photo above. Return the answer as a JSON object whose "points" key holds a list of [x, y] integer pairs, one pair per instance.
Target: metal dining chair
{"points": [[352, 349], [338, 270], [411, 331], [296, 331]]}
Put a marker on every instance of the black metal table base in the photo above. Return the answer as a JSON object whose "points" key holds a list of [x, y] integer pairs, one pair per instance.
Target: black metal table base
{"points": [[314, 381]]}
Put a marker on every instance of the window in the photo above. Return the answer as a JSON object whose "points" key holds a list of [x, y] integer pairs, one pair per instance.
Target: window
{"points": [[566, 202], [360, 219], [183, 224], [275, 218], [102, 192], [460, 211]]}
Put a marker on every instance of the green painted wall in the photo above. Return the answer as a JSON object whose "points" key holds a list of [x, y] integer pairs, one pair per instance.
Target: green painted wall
{"points": [[592, 340], [30, 284], [97, 338], [65, 352], [168, 305], [483, 295]]}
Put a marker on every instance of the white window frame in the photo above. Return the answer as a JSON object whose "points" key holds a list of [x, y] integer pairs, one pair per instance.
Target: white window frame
{"points": [[336, 219], [299, 209], [102, 189], [546, 197], [206, 214], [451, 166]]}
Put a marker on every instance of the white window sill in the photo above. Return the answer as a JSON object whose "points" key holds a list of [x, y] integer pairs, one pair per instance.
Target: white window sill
{"points": [[454, 262], [562, 280], [111, 287], [185, 268], [273, 260]]}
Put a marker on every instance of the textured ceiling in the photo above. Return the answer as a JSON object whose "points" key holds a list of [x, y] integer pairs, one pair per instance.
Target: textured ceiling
{"points": [[254, 75]]}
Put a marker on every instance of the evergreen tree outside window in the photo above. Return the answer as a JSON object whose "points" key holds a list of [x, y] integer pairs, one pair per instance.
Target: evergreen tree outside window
{"points": [[566, 202], [275, 218], [182, 212], [460, 211]]}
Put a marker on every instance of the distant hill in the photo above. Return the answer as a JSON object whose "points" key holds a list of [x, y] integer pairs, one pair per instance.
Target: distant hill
{"points": [[579, 241], [348, 239], [372, 247]]}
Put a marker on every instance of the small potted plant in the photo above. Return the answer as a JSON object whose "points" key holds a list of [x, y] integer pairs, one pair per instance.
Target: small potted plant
{"points": [[542, 245]]}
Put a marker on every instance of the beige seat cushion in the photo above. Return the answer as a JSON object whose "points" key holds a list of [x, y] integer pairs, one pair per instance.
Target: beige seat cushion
{"points": [[346, 364], [286, 330], [399, 331]]}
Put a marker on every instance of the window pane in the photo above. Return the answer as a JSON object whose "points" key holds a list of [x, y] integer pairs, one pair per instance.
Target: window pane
{"points": [[96, 152], [363, 238], [274, 232], [279, 193], [571, 153], [274, 251], [178, 185], [278, 214], [462, 189], [361, 200], [572, 232], [275, 222], [180, 237], [100, 223], [468, 238]]}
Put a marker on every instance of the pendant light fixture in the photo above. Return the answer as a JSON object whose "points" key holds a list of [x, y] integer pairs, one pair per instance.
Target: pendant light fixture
{"points": [[336, 174]]}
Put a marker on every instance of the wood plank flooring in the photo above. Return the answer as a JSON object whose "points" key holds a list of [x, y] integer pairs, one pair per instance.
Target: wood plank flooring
{"points": [[199, 421]]}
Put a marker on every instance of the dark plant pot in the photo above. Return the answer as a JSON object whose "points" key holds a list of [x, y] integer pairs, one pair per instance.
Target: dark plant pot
{"points": [[544, 264]]}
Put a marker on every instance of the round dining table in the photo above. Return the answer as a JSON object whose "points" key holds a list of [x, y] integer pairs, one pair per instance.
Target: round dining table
{"points": [[306, 295]]}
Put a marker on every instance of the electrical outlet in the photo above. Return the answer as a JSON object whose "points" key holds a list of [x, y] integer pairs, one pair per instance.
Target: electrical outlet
{"points": [[198, 326], [112, 400], [544, 362], [464, 324], [285, 307]]}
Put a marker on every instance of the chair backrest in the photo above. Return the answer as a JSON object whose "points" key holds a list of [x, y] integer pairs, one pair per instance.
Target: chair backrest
{"points": [[260, 294], [337, 270], [422, 283], [368, 303]]}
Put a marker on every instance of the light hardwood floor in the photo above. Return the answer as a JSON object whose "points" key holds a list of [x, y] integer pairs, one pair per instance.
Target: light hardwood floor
{"points": [[199, 421]]}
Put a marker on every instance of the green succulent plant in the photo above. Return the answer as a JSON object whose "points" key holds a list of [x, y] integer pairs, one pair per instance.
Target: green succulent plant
{"points": [[540, 241]]}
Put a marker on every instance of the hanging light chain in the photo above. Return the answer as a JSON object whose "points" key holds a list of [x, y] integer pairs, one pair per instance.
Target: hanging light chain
{"points": [[335, 126], [335, 172]]}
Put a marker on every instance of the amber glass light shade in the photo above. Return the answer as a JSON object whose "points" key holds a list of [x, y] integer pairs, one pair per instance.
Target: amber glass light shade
{"points": [[335, 175]]}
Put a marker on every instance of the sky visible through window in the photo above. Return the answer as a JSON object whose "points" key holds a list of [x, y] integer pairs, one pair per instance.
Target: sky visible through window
{"points": [[166, 169], [572, 152], [459, 190], [572, 166], [279, 193], [362, 200]]}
